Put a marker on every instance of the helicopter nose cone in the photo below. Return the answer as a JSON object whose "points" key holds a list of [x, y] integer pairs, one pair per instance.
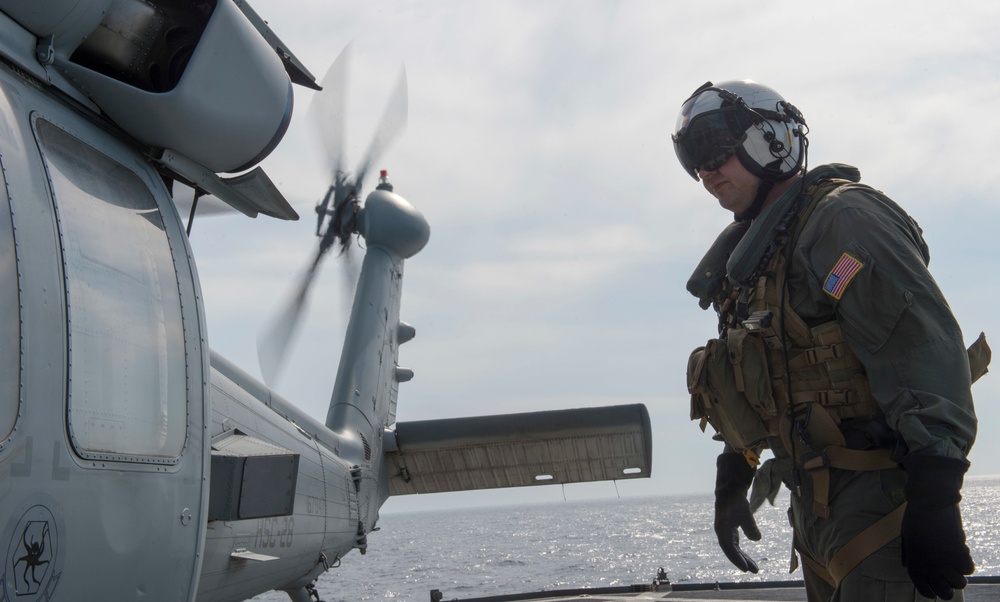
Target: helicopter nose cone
{"points": [[392, 222]]}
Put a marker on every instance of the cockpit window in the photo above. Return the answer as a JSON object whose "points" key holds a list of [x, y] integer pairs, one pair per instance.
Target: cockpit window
{"points": [[10, 321], [127, 382]]}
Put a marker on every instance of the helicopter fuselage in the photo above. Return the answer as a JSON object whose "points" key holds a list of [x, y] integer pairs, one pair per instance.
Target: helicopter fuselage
{"points": [[111, 400], [104, 433]]}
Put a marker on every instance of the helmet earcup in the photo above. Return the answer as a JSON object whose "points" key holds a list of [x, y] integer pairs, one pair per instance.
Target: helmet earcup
{"points": [[772, 150]]}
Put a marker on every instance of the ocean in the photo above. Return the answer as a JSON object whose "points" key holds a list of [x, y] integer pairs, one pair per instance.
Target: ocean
{"points": [[595, 543]]}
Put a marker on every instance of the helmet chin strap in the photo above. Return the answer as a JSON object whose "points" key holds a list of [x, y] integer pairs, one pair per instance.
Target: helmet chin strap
{"points": [[763, 189]]}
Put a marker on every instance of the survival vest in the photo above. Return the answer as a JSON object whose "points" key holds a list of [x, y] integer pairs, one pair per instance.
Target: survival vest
{"points": [[770, 375]]}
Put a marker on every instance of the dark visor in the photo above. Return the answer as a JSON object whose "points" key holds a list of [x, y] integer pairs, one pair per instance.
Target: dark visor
{"points": [[709, 139]]}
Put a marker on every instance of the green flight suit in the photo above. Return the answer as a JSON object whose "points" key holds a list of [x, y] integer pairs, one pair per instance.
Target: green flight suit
{"points": [[897, 322]]}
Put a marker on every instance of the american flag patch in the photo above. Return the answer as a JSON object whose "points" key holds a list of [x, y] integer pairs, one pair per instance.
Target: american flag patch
{"points": [[841, 275]]}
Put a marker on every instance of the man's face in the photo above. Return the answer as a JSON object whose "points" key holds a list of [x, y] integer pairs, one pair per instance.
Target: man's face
{"points": [[731, 184]]}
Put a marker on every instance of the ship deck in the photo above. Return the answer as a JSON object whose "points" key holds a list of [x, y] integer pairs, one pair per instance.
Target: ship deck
{"points": [[980, 589]]}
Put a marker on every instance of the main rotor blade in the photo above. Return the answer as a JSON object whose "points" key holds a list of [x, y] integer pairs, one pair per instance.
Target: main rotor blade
{"points": [[391, 125], [328, 110], [272, 344]]}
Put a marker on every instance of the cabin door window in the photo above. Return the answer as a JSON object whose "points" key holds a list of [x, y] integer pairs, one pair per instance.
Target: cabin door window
{"points": [[127, 382]]}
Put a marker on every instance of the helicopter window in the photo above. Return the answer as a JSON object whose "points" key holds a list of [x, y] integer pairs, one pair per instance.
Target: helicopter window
{"points": [[10, 323], [127, 381]]}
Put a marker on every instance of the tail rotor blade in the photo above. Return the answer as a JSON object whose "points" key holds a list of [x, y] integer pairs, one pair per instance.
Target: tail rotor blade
{"points": [[391, 125], [328, 109], [272, 345], [339, 206]]}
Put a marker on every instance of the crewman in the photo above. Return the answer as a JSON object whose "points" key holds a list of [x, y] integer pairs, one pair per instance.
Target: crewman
{"points": [[836, 350]]}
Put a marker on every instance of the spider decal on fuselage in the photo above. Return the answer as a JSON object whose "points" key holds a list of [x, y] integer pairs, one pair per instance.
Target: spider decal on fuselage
{"points": [[32, 558]]}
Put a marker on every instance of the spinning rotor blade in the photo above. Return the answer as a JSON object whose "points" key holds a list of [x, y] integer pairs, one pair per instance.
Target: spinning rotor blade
{"points": [[340, 203], [328, 109], [272, 344], [327, 113], [391, 125]]}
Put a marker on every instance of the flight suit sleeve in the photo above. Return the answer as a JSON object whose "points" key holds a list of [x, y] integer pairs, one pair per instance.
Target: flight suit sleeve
{"points": [[867, 264]]}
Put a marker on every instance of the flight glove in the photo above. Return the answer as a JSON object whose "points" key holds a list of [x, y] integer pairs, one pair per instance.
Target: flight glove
{"points": [[732, 510], [934, 550]]}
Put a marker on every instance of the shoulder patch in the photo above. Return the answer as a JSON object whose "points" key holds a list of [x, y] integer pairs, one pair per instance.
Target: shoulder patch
{"points": [[841, 275]]}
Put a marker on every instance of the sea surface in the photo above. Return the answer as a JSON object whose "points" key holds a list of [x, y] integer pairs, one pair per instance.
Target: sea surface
{"points": [[597, 543]]}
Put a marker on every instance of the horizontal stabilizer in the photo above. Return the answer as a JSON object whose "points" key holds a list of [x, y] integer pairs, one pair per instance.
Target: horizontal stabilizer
{"points": [[516, 450]]}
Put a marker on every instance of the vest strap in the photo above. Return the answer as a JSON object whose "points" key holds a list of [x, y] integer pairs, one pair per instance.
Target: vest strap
{"points": [[843, 458], [824, 398], [818, 355]]}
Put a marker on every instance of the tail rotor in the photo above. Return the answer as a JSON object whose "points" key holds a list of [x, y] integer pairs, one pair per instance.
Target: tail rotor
{"points": [[337, 213]]}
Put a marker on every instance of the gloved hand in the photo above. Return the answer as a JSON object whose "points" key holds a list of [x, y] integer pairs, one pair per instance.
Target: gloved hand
{"points": [[732, 510], [934, 550]]}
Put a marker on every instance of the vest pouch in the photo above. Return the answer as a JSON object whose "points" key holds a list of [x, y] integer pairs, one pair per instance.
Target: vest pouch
{"points": [[748, 353], [717, 398], [696, 384]]}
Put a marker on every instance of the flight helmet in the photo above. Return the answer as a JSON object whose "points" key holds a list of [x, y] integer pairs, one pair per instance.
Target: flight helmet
{"points": [[744, 118]]}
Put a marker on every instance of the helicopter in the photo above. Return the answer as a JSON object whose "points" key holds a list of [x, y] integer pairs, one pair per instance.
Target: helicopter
{"points": [[136, 463]]}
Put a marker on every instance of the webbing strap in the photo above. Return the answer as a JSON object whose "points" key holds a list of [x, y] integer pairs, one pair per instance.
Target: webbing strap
{"points": [[866, 543], [791, 323], [852, 459], [818, 355], [846, 459], [817, 568], [861, 546], [819, 470], [824, 398]]}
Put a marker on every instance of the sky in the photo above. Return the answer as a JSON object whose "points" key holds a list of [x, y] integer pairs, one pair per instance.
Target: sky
{"points": [[563, 229]]}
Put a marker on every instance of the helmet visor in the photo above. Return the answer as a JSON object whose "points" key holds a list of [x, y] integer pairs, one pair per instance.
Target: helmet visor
{"points": [[709, 139]]}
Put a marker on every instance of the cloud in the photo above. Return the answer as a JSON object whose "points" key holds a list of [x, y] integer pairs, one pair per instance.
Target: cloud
{"points": [[562, 229]]}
